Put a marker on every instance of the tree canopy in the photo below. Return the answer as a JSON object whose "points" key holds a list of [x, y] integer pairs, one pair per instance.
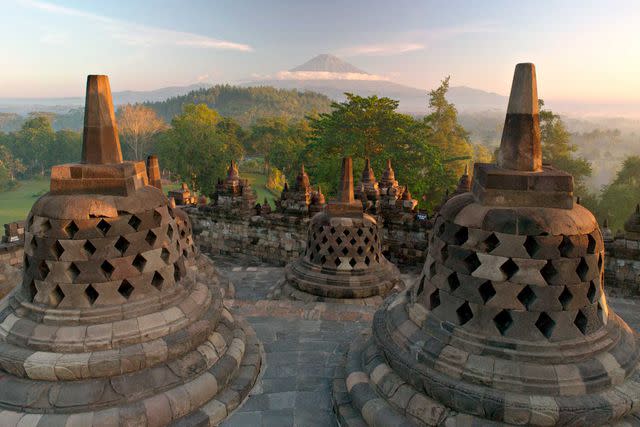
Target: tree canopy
{"points": [[619, 198], [558, 150], [446, 132], [199, 146], [371, 127], [37, 147], [137, 126]]}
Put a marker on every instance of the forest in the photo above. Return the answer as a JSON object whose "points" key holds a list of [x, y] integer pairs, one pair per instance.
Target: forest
{"points": [[276, 131]]}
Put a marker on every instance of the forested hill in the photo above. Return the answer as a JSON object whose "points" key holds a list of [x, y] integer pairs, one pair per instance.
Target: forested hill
{"points": [[247, 104]]}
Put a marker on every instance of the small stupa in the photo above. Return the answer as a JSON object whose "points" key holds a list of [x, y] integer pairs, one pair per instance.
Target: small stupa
{"points": [[343, 260], [464, 183]]}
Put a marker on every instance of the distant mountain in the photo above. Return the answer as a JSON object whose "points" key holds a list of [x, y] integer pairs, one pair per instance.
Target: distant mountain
{"points": [[132, 97], [247, 104], [328, 63], [63, 105], [331, 76]]}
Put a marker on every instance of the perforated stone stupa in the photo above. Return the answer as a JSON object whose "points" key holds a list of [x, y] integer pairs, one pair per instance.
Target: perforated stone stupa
{"points": [[508, 323], [116, 321], [622, 266], [343, 259], [368, 191], [234, 195], [300, 199]]}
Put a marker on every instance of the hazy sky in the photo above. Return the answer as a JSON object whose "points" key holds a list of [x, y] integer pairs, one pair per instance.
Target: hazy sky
{"points": [[583, 50]]}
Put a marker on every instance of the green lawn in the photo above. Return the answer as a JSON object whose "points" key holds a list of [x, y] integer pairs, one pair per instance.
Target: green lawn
{"points": [[258, 183], [15, 204]]}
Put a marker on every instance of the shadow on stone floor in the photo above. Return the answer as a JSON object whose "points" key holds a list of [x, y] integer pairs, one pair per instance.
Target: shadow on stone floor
{"points": [[303, 348]]}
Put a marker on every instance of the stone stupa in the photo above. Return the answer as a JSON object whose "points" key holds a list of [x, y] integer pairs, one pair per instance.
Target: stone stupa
{"points": [[622, 265], [368, 189], [508, 323], [115, 323], [343, 260]]}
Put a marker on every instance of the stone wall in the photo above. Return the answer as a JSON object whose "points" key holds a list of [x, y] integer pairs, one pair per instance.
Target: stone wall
{"points": [[622, 267], [11, 255], [279, 239]]}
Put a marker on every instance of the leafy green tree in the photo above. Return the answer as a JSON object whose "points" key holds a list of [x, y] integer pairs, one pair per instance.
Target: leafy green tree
{"points": [[265, 132], [286, 146], [199, 146], [559, 151], [619, 198], [9, 168], [446, 132], [32, 144], [371, 127], [66, 148]]}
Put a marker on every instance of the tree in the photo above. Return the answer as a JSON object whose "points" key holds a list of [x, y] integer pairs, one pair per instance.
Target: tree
{"points": [[199, 146], [138, 125], [446, 132], [66, 148], [371, 127], [558, 150], [619, 198], [281, 142], [265, 132], [32, 144], [9, 168]]}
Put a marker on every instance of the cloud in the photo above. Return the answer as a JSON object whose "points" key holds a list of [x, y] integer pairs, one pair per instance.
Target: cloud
{"points": [[326, 75], [140, 35], [54, 39], [413, 41], [384, 49]]}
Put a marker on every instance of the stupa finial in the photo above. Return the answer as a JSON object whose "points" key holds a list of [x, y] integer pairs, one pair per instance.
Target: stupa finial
{"points": [[100, 142], [345, 191], [520, 148]]}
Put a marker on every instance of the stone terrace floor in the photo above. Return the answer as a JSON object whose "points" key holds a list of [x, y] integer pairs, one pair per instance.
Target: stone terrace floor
{"points": [[304, 343]]}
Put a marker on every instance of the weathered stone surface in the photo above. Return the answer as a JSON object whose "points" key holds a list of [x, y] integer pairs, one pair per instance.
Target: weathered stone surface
{"points": [[106, 325], [343, 257], [513, 283], [520, 148], [153, 172], [100, 141]]}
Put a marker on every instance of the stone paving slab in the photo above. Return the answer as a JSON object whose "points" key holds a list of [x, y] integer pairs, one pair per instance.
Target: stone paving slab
{"points": [[301, 356], [253, 278], [304, 344]]}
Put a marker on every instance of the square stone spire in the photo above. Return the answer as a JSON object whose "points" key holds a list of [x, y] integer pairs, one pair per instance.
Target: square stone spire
{"points": [[101, 170], [520, 148], [519, 178], [100, 141], [346, 204], [345, 190]]}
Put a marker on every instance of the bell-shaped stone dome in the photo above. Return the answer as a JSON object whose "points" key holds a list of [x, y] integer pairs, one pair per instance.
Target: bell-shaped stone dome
{"points": [[509, 322], [113, 324], [343, 258]]}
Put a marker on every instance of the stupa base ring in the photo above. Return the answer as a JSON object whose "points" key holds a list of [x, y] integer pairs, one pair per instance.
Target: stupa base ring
{"points": [[313, 280], [369, 391], [198, 402]]}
